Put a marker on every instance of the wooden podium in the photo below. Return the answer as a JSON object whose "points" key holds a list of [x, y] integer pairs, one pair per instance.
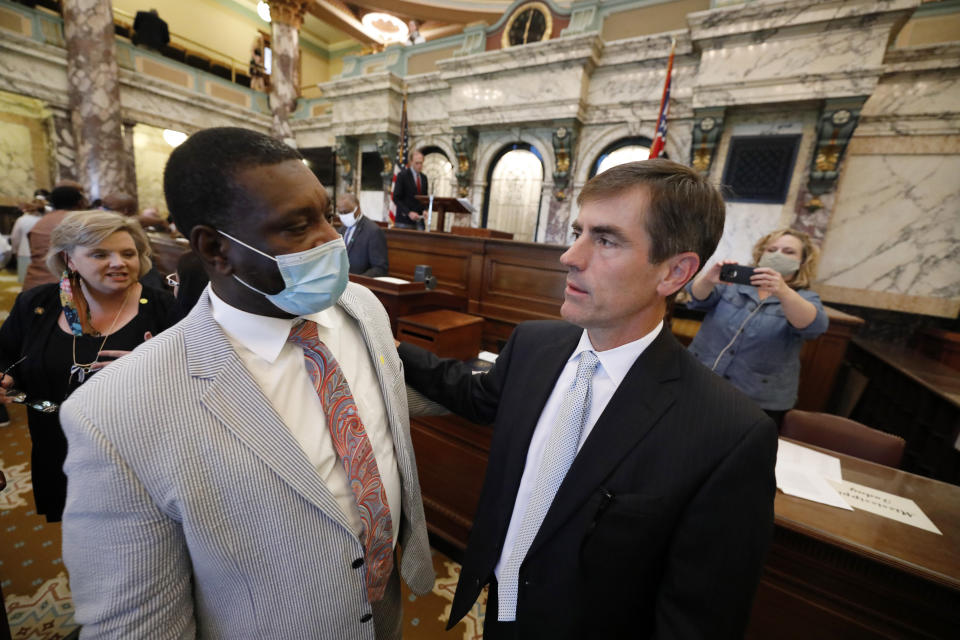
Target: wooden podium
{"points": [[441, 206], [409, 298]]}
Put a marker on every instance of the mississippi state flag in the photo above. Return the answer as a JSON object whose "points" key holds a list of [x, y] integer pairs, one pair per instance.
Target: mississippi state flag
{"points": [[401, 163], [660, 138]]}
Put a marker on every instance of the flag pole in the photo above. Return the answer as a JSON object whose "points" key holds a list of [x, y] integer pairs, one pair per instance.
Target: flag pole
{"points": [[660, 137]]}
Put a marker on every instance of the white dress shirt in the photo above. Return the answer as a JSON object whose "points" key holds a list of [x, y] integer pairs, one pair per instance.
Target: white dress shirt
{"points": [[613, 368], [277, 366]]}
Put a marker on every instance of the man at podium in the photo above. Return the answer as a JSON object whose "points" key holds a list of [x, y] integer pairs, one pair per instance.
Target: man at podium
{"points": [[411, 182]]}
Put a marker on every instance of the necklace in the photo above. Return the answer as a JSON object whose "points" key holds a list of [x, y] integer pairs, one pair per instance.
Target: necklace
{"points": [[82, 369]]}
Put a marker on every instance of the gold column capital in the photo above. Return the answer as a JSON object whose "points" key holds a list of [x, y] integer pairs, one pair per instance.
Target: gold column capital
{"points": [[288, 11]]}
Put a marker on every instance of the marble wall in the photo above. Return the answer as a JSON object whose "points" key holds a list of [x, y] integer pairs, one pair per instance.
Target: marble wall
{"points": [[747, 222], [24, 159], [151, 152], [16, 162]]}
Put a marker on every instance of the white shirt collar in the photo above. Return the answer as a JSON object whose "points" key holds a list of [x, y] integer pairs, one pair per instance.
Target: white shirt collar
{"points": [[616, 362], [263, 335]]}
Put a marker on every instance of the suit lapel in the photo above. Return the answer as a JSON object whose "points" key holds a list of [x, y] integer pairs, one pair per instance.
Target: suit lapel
{"points": [[237, 402], [636, 406]]}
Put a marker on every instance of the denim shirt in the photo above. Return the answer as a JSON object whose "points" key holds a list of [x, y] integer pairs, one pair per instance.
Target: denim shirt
{"points": [[764, 360]]}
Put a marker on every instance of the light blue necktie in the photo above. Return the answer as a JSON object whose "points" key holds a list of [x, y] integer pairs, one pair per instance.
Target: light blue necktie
{"points": [[557, 457]]}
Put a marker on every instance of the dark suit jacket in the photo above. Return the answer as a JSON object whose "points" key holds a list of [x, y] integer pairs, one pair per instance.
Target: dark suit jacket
{"points": [[367, 249], [150, 29], [405, 195], [661, 525]]}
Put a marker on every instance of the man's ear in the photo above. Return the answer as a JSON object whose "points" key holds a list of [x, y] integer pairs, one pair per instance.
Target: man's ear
{"points": [[211, 247], [680, 268]]}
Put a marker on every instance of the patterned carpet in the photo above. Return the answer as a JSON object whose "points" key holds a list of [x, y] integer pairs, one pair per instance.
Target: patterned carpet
{"points": [[35, 584]]}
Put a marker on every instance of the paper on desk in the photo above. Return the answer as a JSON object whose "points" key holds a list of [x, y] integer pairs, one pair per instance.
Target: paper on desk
{"points": [[487, 356], [884, 504], [392, 280], [790, 454], [467, 205], [803, 473]]}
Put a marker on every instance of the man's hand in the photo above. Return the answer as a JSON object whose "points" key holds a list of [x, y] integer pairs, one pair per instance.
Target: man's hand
{"points": [[414, 215], [5, 383]]}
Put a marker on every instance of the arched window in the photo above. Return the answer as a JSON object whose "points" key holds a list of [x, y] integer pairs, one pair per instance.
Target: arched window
{"points": [[514, 185], [621, 151], [440, 175]]}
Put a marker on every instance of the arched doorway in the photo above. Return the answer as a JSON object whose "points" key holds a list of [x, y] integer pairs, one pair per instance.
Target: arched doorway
{"points": [[623, 150], [440, 175], [514, 186]]}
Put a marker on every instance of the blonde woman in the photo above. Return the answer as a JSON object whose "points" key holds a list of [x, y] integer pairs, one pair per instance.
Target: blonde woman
{"points": [[752, 333], [59, 334]]}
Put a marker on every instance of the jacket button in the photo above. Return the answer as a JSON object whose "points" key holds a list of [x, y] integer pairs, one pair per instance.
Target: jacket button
{"points": [[367, 617], [356, 564]]}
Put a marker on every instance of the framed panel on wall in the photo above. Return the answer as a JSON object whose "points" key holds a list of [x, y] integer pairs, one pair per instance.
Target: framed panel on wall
{"points": [[758, 168]]}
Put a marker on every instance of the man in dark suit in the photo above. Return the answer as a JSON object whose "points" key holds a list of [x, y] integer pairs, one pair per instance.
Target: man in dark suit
{"points": [[150, 30], [366, 242], [411, 182], [629, 490]]}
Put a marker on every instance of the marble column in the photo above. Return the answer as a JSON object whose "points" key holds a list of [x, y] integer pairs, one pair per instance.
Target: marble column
{"points": [[817, 198], [64, 145], [558, 212], [348, 152], [286, 17], [129, 158], [94, 95]]}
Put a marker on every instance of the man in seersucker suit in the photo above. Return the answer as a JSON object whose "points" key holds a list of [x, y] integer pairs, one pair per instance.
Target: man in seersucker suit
{"points": [[215, 474]]}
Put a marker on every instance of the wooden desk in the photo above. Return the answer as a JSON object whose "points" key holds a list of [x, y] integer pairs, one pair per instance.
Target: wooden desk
{"points": [[914, 397], [504, 281], [412, 297], [833, 573]]}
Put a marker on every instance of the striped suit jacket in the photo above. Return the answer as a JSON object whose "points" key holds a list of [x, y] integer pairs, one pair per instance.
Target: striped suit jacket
{"points": [[193, 512]]}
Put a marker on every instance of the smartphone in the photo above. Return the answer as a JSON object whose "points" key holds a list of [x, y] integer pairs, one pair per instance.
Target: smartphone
{"points": [[736, 273]]}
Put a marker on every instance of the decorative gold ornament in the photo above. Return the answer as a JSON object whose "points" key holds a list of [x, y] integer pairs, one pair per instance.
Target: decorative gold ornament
{"points": [[701, 159], [827, 158], [288, 11]]}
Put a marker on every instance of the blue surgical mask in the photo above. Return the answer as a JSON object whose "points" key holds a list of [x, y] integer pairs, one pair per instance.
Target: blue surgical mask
{"points": [[315, 279]]}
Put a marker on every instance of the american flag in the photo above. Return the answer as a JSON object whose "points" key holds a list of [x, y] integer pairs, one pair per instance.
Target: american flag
{"points": [[660, 138], [402, 152]]}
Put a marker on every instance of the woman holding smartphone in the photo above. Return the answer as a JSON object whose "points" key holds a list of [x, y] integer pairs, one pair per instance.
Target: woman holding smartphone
{"points": [[752, 333]]}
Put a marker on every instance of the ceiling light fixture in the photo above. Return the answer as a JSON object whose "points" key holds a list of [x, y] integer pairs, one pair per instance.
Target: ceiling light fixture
{"points": [[173, 138], [263, 10], [388, 28]]}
